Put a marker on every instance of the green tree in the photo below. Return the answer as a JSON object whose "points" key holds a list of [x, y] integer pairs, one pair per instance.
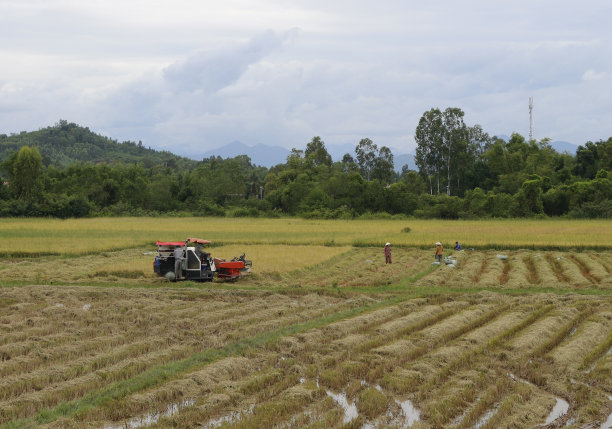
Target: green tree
{"points": [[366, 157], [383, 166], [455, 140], [348, 163], [26, 173], [317, 153], [586, 160], [529, 198], [429, 137]]}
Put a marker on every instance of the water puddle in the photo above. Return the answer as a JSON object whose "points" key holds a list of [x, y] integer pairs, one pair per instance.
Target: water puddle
{"points": [[561, 406], [559, 410], [460, 418], [231, 417], [608, 423], [153, 417], [592, 367], [411, 414], [350, 410], [484, 419]]}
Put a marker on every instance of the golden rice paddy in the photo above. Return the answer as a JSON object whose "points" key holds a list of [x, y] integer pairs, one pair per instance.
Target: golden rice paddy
{"points": [[321, 334], [81, 236]]}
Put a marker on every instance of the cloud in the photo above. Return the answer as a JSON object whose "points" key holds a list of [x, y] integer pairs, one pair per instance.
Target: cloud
{"points": [[196, 75], [210, 71]]}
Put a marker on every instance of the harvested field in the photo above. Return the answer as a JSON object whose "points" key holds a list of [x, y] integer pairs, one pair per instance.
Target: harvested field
{"points": [[336, 267], [108, 355], [317, 336]]}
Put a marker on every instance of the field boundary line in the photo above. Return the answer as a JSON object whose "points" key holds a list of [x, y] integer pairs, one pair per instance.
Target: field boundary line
{"points": [[355, 244]]}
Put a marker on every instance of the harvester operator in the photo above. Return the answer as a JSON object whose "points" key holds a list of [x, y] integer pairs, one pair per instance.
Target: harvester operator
{"points": [[178, 261]]}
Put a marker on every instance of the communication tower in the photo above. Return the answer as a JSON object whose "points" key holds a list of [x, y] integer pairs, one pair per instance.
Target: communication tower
{"points": [[530, 118]]}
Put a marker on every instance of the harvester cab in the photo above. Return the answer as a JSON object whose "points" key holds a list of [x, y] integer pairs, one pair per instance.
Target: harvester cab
{"points": [[196, 264]]}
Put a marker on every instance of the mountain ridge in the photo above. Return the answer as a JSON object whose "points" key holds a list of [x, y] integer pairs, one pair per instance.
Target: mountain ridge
{"points": [[65, 143]]}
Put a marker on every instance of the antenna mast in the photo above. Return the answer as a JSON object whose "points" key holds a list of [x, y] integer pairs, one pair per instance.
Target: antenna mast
{"points": [[530, 118]]}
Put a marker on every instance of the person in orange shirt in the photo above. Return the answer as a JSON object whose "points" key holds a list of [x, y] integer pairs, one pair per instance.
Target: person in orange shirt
{"points": [[439, 252]]}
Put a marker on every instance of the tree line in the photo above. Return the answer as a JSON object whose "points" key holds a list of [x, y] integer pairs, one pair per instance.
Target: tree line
{"points": [[462, 173]]}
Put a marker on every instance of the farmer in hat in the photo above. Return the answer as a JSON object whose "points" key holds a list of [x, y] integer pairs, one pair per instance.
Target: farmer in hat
{"points": [[439, 252], [388, 253]]}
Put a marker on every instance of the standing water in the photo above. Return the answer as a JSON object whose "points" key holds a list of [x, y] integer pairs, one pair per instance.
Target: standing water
{"points": [[484, 419], [152, 418], [411, 414], [350, 410], [608, 423], [558, 410]]}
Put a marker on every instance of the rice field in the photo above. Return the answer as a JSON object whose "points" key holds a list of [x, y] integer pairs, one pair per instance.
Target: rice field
{"points": [[36, 237], [321, 335], [110, 357]]}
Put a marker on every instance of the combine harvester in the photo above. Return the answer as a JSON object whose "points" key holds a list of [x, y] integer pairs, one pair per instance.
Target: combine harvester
{"points": [[197, 265]]}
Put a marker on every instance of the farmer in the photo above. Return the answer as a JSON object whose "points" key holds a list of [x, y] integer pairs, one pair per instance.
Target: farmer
{"points": [[199, 252], [388, 253], [178, 261], [439, 252], [457, 245]]}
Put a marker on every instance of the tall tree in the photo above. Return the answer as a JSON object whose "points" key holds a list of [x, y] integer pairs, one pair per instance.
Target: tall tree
{"points": [[25, 173], [366, 157], [316, 151], [455, 139], [383, 166], [348, 163], [429, 136]]}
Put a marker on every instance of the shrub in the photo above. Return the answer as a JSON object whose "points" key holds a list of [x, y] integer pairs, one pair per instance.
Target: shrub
{"points": [[602, 210]]}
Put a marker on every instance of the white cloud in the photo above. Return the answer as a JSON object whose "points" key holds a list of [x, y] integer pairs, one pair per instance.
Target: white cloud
{"points": [[192, 75]]}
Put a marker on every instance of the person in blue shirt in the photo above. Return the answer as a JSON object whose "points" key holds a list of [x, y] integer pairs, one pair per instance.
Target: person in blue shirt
{"points": [[457, 245]]}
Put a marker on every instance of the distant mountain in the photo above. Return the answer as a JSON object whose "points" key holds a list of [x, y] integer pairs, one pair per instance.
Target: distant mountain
{"points": [[66, 143], [269, 156], [399, 160], [504, 137], [260, 154], [559, 146], [405, 159], [337, 151]]}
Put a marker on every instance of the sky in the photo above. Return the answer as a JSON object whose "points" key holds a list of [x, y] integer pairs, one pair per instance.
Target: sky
{"points": [[190, 76]]}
